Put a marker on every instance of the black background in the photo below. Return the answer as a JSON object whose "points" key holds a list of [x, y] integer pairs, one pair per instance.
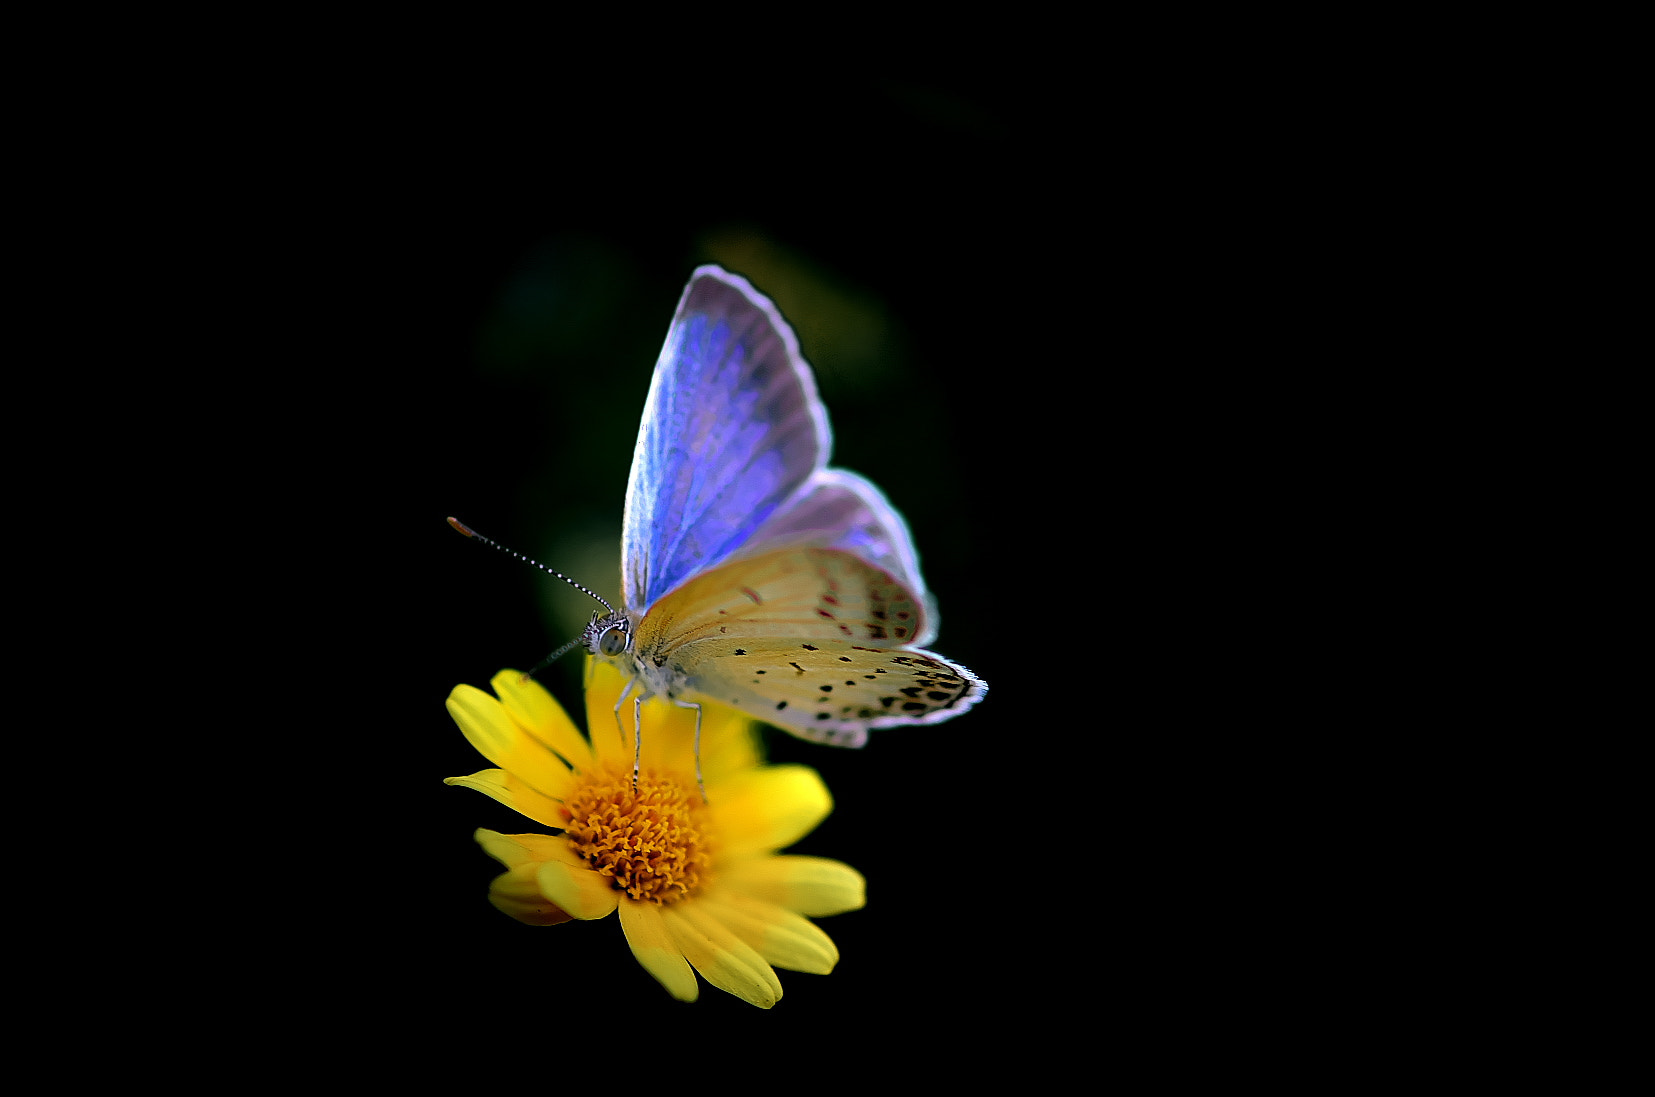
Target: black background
{"points": [[1131, 353]]}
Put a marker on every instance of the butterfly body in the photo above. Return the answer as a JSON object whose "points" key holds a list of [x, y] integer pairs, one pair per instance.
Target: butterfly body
{"points": [[753, 575]]}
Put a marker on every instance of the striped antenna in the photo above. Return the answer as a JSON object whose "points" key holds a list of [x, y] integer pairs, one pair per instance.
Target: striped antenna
{"points": [[475, 536], [550, 659]]}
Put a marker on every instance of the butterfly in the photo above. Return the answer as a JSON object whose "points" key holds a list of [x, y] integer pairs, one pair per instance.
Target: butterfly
{"points": [[753, 575]]}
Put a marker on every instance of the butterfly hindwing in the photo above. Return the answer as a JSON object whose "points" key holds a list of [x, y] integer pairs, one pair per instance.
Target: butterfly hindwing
{"points": [[833, 691]]}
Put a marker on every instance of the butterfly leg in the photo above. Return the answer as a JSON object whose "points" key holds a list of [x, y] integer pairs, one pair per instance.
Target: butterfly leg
{"points": [[637, 737], [638, 700], [637, 724], [626, 691], [699, 783]]}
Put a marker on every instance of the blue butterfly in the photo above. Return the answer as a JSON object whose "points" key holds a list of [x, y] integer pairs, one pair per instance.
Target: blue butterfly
{"points": [[752, 574]]}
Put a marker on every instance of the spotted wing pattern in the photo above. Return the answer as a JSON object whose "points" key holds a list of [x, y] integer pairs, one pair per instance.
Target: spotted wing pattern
{"points": [[813, 640], [832, 691]]}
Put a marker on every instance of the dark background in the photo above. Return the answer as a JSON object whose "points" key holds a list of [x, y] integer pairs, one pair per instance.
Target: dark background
{"points": [[1124, 351], [1169, 356]]}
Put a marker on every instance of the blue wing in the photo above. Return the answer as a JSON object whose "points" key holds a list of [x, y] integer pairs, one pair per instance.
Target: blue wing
{"points": [[732, 430]]}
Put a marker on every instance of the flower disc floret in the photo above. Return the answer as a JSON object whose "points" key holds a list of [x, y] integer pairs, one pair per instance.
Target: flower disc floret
{"points": [[647, 840]]}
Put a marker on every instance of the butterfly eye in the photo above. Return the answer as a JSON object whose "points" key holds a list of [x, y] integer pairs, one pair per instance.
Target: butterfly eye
{"points": [[614, 641]]}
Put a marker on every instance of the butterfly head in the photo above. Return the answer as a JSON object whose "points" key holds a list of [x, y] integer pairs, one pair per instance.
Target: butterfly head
{"points": [[608, 634]]}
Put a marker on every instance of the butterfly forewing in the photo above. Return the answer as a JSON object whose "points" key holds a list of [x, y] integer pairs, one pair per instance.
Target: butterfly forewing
{"points": [[731, 428], [807, 593]]}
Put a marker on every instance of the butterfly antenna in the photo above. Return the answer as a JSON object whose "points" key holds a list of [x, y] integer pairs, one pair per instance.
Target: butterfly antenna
{"points": [[461, 527], [550, 659]]}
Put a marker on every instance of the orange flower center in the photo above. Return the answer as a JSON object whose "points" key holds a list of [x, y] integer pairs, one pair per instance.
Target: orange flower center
{"points": [[648, 840]]}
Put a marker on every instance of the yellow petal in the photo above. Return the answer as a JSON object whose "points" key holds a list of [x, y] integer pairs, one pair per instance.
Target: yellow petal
{"points": [[646, 934], [539, 714], [730, 743], [604, 724], [497, 737], [515, 795], [769, 808], [812, 886], [780, 936], [723, 959], [668, 735], [664, 737], [659, 733], [577, 889], [517, 893], [513, 850]]}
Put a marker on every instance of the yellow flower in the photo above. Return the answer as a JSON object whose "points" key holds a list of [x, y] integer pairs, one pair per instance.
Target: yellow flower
{"points": [[698, 884]]}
